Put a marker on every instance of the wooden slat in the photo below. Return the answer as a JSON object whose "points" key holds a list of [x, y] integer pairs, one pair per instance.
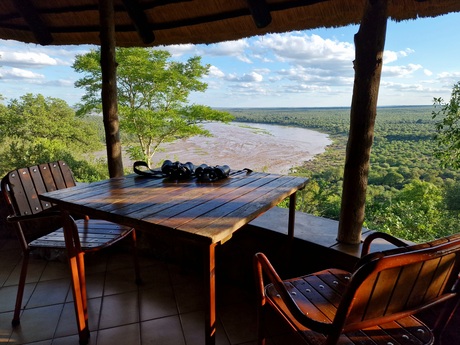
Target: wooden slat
{"points": [[67, 175], [441, 276], [25, 191], [39, 184], [55, 170], [217, 209], [47, 177], [245, 213], [192, 197], [399, 335], [384, 287], [207, 210], [423, 282], [416, 328]]}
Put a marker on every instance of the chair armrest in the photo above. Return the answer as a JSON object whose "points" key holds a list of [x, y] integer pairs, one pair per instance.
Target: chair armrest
{"points": [[263, 266], [381, 235], [30, 217]]}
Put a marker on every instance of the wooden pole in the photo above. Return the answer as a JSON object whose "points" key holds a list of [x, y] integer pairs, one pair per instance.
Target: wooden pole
{"points": [[369, 46], [109, 88]]}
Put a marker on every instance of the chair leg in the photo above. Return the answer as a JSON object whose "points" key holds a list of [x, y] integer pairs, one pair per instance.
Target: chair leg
{"points": [[261, 325], [136, 258], [20, 294]]}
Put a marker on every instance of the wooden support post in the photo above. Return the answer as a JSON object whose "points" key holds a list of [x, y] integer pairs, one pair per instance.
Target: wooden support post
{"points": [[109, 88], [369, 46]]}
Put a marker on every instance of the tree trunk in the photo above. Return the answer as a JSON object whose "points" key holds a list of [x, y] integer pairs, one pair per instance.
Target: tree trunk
{"points": [[369, 46], [109, 88]]}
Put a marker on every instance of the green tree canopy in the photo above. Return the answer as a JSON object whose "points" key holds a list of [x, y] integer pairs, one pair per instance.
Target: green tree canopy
{"points": [[153, 92], [35, 129], [448, 129]]}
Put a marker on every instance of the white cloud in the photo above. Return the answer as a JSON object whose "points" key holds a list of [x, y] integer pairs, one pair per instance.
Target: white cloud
{"points": [[179, 49], [236, 49], [215, 72], [427, 72], [400, 71], [302, 49], [246, 78], [390, 56], [29, 59], [18, 73]]}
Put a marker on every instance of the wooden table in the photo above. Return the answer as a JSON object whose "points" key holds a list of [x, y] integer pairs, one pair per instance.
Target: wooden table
{"points": [[205, 213]]}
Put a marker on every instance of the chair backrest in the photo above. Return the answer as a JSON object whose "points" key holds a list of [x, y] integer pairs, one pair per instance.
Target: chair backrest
{"points": [[391, 284], [21, 187]]}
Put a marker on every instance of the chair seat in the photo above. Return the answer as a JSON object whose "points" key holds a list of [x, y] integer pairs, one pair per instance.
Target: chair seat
{"points": [[320, 294], [94, 234]]}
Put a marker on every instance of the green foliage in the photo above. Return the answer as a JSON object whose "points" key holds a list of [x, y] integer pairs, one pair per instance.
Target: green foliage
{"points": [[409, 194], [35, 129], [448, 129], [152, 94]]}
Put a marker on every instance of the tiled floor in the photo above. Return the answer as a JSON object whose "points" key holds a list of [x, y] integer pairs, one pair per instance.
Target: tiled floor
{"points": [[166, 309]]}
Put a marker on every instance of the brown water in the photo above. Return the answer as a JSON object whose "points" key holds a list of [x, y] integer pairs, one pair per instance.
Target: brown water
{"points": [[259, 147]]}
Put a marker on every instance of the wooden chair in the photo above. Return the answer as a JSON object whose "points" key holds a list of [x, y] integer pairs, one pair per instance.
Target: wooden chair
{"points": [[373, 304], [21, 188]]}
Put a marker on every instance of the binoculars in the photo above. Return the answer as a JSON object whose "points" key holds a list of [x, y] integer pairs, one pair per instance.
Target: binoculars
{"points": [[210, 174], [177, 170]]}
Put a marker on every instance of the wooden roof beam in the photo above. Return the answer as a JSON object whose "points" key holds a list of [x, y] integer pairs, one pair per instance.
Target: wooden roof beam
{"points": [[260, 13], [36, 25], [140, 20]]}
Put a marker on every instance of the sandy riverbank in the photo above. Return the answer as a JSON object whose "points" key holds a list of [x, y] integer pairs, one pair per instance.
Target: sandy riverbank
{"points": [[258, 147]]}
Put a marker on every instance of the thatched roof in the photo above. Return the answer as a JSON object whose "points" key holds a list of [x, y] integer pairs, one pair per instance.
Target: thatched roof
{"points": [[60, 22]]}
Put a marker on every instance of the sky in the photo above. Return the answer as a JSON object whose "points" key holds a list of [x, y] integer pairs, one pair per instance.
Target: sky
{"points": [[311, 68]]}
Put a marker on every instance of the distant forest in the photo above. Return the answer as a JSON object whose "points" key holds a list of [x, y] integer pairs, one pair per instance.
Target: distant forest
{"points": [[409, 194]]}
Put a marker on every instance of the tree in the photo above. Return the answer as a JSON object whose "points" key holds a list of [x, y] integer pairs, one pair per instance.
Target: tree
{"points": [[448, 129], [42, 129], [153, 92]]}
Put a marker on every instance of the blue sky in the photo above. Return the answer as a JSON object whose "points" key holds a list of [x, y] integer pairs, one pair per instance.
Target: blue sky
{"points": [[297, 69]]}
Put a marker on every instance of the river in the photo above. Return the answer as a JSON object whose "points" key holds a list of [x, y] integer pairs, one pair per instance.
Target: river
{"points": [[260, 147]]}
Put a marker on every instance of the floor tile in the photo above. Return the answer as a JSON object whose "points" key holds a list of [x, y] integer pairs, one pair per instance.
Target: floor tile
{"points": [[5, 325], [194, 330], [157, 302], [120, 309], [164, 331], [37, 324], [239, 321], [49, 292], [67, 323], [34, 272], [8, 296], [120, 281], [128, 334]]}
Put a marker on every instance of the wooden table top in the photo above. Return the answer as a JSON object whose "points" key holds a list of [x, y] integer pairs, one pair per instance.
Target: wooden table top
{"points": [[201, 211]]}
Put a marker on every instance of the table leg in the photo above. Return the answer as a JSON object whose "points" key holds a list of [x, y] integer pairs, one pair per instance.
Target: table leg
{"points": [[77, 272], [210, 287], [291, 222]]}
